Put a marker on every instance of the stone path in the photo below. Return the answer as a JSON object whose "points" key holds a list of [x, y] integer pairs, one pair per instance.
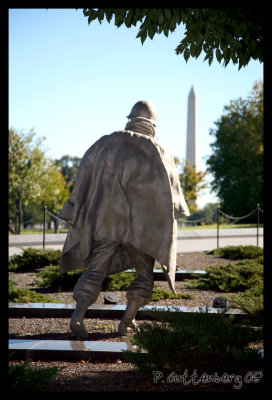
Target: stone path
{"points": [[38, 349]]}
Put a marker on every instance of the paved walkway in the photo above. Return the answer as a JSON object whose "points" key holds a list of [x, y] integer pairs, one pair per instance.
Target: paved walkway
{"points": [[209, 233], [188, 240]]}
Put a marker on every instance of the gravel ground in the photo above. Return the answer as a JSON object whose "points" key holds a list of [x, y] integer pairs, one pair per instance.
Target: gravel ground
{"points": [[111, 376], [121, 376]]}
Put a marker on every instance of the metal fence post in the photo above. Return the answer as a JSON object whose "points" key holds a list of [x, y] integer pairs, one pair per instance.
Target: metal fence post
{"points": [[218, 216], [44, 215], [258, 220]]}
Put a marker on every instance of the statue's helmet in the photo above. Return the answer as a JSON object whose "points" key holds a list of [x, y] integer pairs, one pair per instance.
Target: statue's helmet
{"points": [[145, 110]]}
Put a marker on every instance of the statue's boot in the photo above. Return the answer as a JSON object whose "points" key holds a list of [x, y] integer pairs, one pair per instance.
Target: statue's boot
{"points": [[128, 317], [76, 324]]}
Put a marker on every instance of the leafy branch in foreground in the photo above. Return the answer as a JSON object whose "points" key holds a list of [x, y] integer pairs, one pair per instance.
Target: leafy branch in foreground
{"points": [[227, 34]]}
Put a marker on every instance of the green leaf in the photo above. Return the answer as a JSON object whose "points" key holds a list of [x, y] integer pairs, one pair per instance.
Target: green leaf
{"points": [[227, 60], [92, 16], [192, 49], [234, 58], [210, 58], [160, 18], [119, 16], [198, 50], [172, 26], [100, 16], [128, 19], [241, 63], [206, 57], [109, 15], [218, 55], [151, 31], [166, 31], [137, 16], [142, 34], [167, 14], [176, 15], [186, 54], [179, 49]]}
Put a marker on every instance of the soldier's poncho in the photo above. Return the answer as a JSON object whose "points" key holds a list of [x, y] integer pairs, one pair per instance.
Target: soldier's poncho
{"points": [[127, 190]]}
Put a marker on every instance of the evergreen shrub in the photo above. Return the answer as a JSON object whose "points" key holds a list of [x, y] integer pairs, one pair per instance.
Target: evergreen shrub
{"points": [[251, 302], [51, 278], [23, 295], [236, 277], [206, 342], [23, 378], [249, 252], [32, 259]]}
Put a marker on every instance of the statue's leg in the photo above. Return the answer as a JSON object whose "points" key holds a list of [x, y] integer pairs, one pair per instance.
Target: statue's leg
{"points": [[140, 290], [76, 324], [89, 284]]}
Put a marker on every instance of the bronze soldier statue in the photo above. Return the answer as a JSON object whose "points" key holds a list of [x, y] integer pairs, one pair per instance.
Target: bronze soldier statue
{"points": [[123, 214]]}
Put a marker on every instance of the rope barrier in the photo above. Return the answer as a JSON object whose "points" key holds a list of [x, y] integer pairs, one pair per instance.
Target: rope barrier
{"points": [[58, 218], [224, 214], [197, 220], [237, 218], [55, 216], [218, 212], [22, 223], [183, 220]]}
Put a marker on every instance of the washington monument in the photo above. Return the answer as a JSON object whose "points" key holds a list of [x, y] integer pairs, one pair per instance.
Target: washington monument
{"points": [[191, 145]]}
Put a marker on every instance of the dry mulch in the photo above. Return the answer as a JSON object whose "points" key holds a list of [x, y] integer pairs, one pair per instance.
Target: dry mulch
{"points": [[119, 375]]}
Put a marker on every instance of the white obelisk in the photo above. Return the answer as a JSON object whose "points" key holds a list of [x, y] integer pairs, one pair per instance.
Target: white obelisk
{"points": [[191, 145]]}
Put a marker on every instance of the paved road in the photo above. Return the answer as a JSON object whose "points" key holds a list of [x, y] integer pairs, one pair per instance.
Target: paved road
{"points": [[188, 240], [206, 239], [188, 245]]}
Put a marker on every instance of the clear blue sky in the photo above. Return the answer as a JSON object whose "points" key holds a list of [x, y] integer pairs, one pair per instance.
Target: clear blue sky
{"points": [[73, 82]]}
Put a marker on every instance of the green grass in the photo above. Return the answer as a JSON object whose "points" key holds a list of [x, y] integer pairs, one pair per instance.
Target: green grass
{"points": [[39, 231]]}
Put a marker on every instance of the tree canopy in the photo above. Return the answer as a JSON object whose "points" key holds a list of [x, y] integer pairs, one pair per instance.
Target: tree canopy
{"points": [[237, 160], [68, 166], [191, 182], [33, 178], [226, 34]]}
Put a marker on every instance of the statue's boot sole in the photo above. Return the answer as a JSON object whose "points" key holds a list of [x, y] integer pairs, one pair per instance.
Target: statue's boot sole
{"points": [[124, 328], [78, 329]]}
